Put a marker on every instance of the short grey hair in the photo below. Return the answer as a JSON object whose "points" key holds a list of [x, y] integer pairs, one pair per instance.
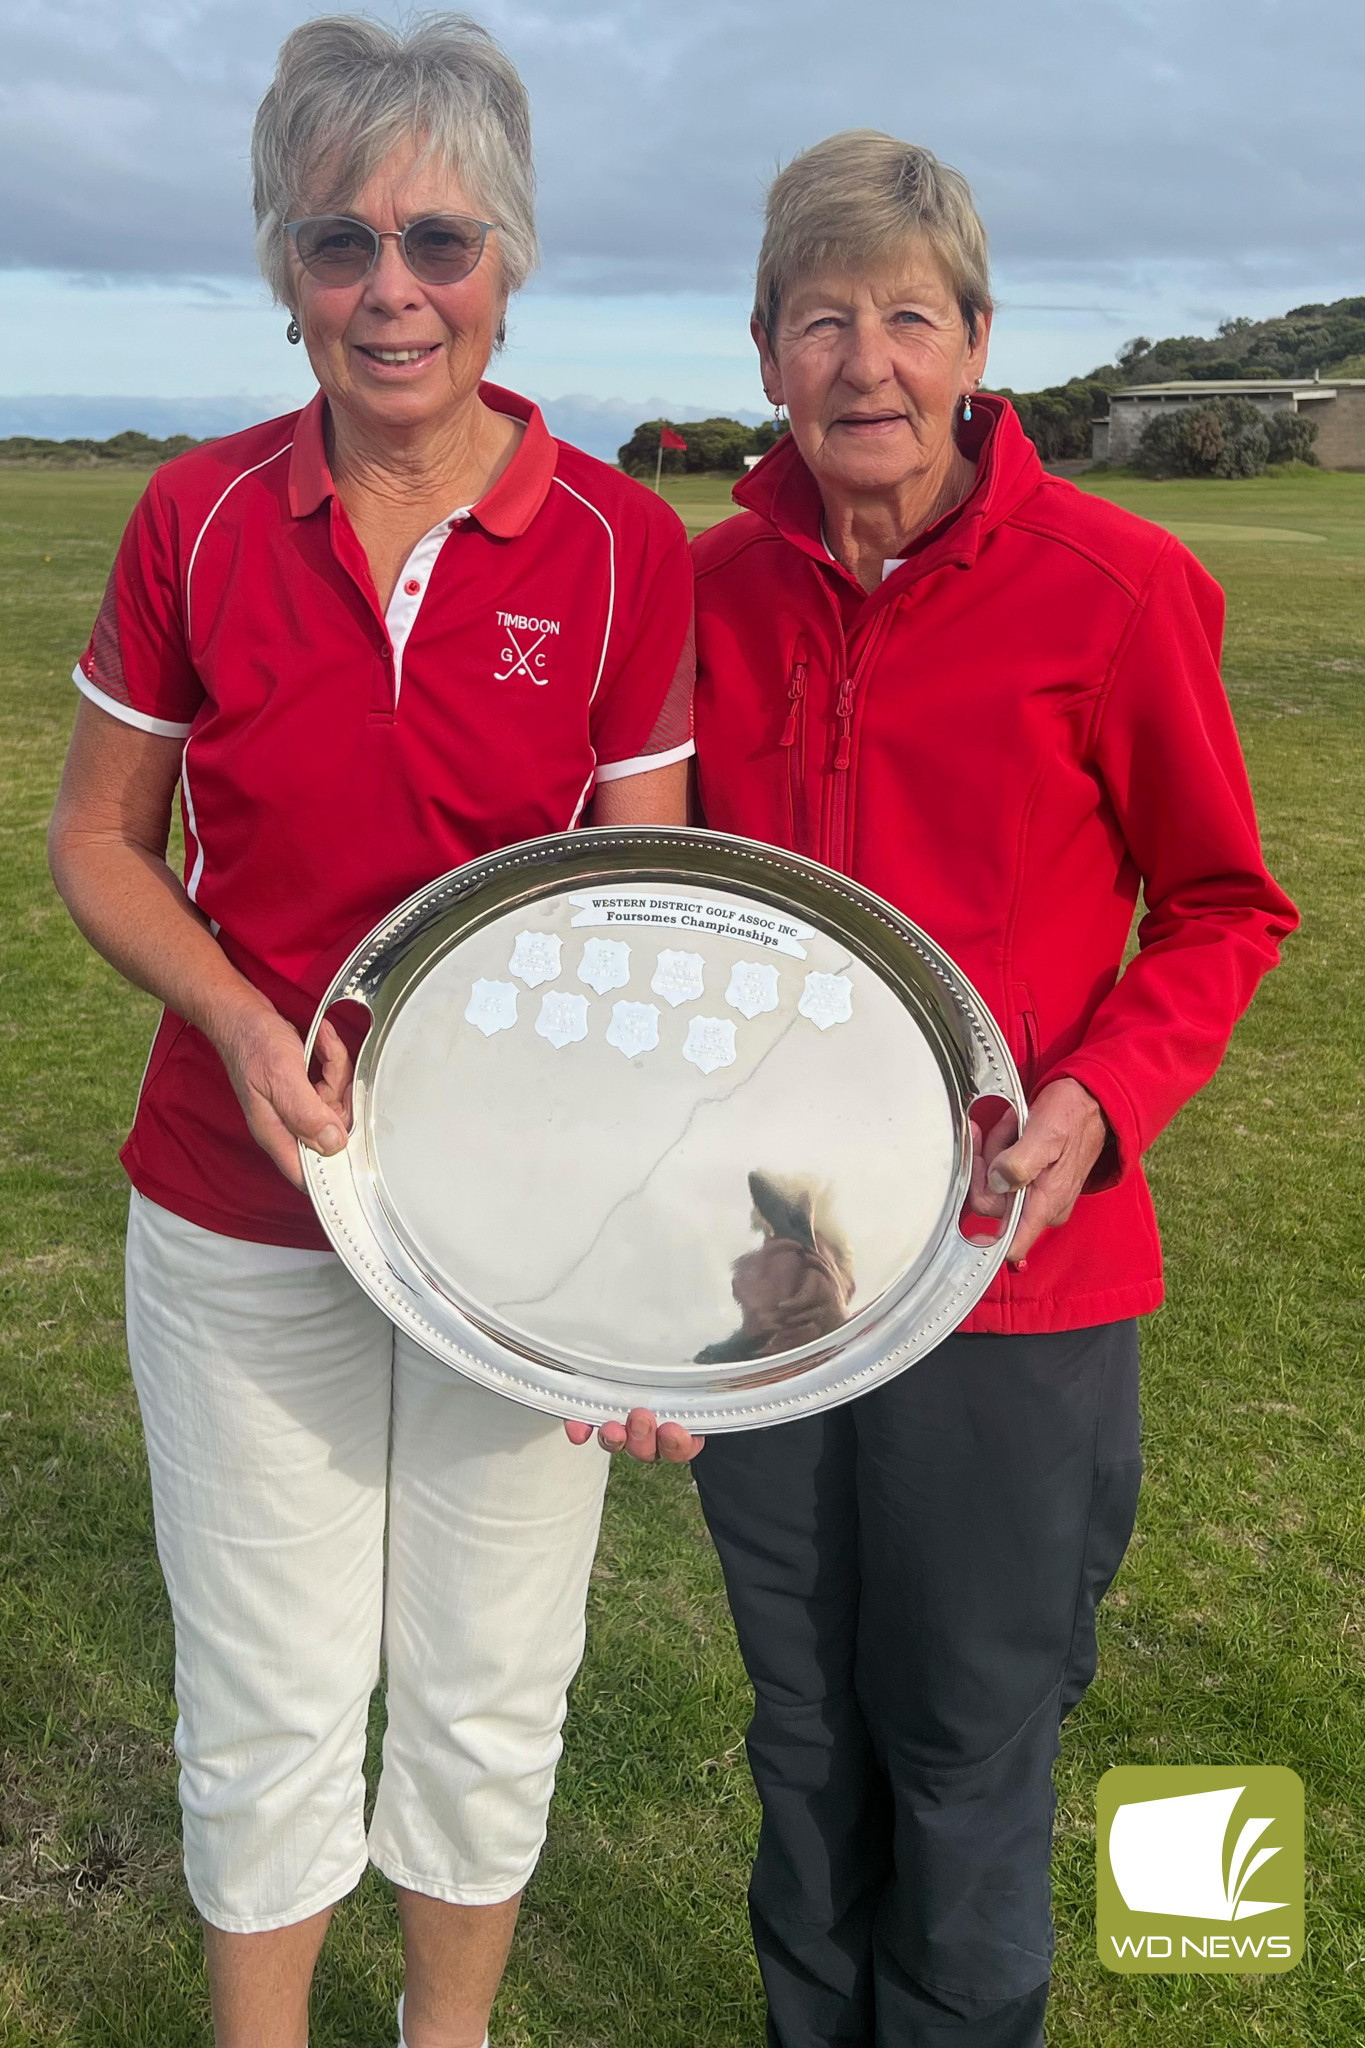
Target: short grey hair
{"points": [[347, 91], [858, 197]]}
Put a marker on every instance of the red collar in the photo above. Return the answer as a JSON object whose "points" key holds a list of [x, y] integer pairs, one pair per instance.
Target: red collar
{"points": [[782, 490], [506, 510]]}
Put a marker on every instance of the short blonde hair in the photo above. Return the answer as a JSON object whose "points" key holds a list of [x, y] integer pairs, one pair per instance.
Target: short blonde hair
{"points": [[347, 90], [858, 197]]}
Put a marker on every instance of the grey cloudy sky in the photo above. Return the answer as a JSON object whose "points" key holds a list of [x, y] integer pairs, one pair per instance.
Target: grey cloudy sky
{"points": [[1141, 164]]}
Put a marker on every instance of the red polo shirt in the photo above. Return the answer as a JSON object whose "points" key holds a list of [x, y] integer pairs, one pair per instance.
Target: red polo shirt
{"points": [[338, 757]]}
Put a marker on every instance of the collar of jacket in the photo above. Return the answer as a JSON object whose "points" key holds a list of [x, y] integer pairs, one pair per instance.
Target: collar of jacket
{"points": [[782, 490]]}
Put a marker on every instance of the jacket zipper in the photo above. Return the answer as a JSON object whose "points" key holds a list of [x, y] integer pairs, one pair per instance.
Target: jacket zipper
{"points": [[837, 851], [794, 735], [843, 714]]}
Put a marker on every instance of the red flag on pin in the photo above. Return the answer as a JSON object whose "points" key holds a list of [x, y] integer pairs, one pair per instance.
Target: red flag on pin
{"points": [[668, 439]]}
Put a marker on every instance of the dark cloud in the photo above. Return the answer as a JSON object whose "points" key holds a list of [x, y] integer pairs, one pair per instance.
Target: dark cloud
{"points": [[1221, 137]]}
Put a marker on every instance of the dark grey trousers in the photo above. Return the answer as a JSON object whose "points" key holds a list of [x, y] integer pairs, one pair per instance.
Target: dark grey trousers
{"points": [[914, 1581]]}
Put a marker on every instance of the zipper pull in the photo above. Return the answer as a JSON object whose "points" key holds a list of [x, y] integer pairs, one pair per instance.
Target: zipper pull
{"points": [[796, 690], [843, 711]]}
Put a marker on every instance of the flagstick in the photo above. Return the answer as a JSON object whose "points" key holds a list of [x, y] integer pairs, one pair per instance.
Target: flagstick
{"points": [[659, 465]]}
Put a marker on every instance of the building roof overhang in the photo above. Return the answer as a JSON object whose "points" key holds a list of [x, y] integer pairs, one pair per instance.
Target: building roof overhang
{"points": [[1242, 387]]}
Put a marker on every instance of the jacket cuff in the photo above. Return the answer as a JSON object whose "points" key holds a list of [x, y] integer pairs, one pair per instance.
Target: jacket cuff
{"points": [[1123, 1147]]}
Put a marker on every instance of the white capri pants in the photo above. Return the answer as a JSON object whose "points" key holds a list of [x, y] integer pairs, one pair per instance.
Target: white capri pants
{"points": [[283, 1414]]}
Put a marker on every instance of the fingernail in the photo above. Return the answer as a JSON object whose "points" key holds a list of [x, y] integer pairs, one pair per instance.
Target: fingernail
{"points": [[998, 1184], [331, 1138]]}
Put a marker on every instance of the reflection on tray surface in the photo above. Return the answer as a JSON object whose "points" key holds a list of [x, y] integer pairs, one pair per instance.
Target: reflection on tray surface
{"points": [[798, 1285]]}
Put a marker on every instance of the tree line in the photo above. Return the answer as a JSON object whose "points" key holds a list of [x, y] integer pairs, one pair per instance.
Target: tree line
{"points": [[1058, 419], [1329, 338], [130, 447], [717, 444], [1293, 344]]}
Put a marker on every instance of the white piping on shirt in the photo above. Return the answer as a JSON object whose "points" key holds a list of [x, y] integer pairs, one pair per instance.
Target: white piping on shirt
{"points": [[611, 573], [197, 872], [640, 764], [165, 728], [578, 807], [194, 551]]}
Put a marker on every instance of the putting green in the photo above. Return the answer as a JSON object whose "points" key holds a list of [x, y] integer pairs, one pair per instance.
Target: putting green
{"points": [[1195, 531]]}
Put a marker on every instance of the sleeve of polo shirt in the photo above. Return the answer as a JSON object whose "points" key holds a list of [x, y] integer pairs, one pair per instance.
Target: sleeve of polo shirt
{"points": [[137, 667], [642, 712]]}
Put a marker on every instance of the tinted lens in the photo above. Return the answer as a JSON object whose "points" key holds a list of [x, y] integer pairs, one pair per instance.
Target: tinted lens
{"points": [[336, 250], [443, 248]]}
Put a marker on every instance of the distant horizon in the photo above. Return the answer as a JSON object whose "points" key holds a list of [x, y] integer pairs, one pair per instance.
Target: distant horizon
{"points": [[596, 367], [598, 426], [602, 424]]}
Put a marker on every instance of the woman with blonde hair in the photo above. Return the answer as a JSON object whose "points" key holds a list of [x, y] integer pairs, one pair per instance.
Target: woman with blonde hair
{"points": [[369, 641], [995, 700]]}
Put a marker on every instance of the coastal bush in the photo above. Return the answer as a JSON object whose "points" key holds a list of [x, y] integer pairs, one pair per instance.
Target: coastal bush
{"points": [[1228, 437]]}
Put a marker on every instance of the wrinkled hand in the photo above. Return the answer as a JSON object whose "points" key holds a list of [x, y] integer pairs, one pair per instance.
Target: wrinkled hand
{"points": [[1064, 1136], [263, 1054], [650, 1441]]}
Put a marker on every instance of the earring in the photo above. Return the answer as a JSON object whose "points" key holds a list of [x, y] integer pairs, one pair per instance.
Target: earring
{"points": [[293, 332], [777, 412], [966, 407]]}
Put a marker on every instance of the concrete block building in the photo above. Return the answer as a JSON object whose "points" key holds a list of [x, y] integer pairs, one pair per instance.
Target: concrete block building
{"points": [[1337, 404]]}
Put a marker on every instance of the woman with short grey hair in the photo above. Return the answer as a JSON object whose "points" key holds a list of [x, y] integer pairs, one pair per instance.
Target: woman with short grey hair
{"points": [[994, 699], [318, 630]]}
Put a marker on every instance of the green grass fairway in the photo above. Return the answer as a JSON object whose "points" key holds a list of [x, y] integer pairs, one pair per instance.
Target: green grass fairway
{"points": [[1236, 1632]]}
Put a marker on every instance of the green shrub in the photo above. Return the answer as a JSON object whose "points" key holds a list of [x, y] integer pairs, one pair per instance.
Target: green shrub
{"points": [[1227, 437], [1292, 435]]}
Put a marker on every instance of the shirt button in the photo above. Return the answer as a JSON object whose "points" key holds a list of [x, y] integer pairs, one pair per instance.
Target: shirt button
{"points": [[412, 586]]}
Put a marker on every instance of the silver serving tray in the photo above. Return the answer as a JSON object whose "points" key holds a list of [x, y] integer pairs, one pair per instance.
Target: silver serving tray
{"points": [[656, 1116]]}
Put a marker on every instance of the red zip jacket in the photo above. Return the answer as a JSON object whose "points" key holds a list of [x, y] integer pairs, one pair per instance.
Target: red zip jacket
{"points": [[1020, 727]]}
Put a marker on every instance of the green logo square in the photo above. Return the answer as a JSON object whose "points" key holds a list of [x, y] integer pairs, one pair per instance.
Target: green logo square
{"points": [[1199, 1868]]}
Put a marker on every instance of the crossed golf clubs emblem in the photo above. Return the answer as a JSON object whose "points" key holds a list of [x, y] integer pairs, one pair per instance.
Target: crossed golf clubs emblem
{"points": [[524, 660]]}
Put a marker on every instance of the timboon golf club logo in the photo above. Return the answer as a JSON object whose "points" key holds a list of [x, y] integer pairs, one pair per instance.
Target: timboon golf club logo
{"points": [[1199, 1869]]}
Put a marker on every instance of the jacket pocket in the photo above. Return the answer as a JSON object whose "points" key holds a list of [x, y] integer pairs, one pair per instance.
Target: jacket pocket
{"points": [[1025, 1034]]}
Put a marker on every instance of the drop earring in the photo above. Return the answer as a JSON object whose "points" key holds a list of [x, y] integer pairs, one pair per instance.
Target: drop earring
{"points": [[293, 332], [777, 412], [966, 407]]}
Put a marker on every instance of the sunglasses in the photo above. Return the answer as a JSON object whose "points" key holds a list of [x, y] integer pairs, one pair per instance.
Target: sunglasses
{"points": [[441, 248]]}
